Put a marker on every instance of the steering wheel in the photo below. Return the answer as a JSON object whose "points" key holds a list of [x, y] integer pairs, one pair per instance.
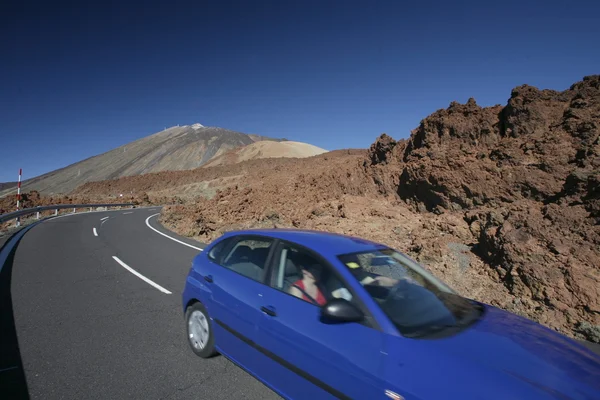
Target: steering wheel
{"points": [[378, 292]]}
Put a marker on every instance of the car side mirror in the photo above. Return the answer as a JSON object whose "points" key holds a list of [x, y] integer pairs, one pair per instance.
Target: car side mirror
{"points": [[341, 310]]}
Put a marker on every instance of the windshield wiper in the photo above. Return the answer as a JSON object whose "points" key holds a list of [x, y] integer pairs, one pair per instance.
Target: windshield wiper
{"points": [[469, 319]]}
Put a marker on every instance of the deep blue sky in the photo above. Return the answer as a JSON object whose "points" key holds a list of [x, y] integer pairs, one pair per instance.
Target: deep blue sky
{"points": [[79, 79]]}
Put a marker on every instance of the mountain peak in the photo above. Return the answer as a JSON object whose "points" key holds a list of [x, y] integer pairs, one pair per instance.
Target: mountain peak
{"points": [[180, 147]]}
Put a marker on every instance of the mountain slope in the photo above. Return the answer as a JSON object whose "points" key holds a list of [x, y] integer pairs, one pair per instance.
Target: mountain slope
{"points": [[176, 148], [266, 149], [6, 185], [258, 138]]}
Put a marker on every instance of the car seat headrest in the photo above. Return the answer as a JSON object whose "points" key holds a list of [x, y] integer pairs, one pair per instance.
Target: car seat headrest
{"points": [[242, 252], [290, 268]]}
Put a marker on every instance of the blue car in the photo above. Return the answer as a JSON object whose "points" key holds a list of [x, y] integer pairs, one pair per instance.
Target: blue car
{"points": [[315, 315]]}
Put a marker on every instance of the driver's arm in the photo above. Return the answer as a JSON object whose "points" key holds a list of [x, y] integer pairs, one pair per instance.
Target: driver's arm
{"points": [[367, 280], [379, 280], [295, 292], [385, 281]]}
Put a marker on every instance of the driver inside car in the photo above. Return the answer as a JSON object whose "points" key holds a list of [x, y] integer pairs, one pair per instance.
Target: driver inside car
{"points": [[308, 287], [364, 277]]}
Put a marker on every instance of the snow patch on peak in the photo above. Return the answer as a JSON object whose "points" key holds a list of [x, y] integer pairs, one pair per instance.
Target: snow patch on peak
{"points": [[197, 126]]}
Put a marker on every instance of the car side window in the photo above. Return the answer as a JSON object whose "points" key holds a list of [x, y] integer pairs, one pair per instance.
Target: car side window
{"points": [[248, 257], [301, 274], [216, 254]]}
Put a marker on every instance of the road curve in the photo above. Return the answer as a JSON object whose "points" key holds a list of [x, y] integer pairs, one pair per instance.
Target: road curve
{"points": [[94, 301], [92, 321]]}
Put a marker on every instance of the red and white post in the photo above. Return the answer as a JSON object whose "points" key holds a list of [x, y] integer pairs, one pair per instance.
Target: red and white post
{"points": [[19, 195]]}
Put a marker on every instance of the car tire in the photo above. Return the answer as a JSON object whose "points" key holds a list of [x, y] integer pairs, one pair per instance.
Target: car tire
{"points": [[199, 331]]}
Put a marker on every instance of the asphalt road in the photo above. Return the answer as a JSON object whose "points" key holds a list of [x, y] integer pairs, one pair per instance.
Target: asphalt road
{"points": [[77, 324], [87, 327]]}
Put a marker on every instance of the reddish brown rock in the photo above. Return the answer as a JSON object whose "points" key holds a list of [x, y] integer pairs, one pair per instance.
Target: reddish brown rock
{"points": [[527, 176]]}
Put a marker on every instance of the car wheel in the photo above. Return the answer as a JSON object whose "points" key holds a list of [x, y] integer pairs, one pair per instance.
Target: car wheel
{"points": [[199, 331]]}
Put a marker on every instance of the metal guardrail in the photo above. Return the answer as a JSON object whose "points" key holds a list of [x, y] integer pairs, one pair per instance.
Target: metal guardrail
{"points": [[56, 207]]}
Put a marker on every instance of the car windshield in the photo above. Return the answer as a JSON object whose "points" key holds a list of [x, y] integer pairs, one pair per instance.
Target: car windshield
{"points": [[415, 301]]}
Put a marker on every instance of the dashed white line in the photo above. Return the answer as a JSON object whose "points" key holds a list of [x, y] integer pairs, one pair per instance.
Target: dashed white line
{"points": [[95, 233], [142, 277], [102, 219], [157, 231], [129, 212]]}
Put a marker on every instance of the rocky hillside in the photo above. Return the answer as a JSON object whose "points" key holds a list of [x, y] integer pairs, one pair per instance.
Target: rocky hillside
{"points": [[526, 178], [186, 186], [177, 148], [501, 202]]}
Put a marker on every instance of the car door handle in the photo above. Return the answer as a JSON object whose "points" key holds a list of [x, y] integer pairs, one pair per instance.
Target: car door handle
{"points": [[268, 310], [208, 278]]}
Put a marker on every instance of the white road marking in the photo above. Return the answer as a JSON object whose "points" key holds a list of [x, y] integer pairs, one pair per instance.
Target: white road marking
{"points": [[129, 212], [102, 219], [8, 369], [95, 233], [157, 231], [102, 223], [52, 217], [142, 277]]}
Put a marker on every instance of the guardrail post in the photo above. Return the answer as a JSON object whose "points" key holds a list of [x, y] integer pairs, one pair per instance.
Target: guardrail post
{"points": [[56, 212], [18, 222], [73, 210], [37, 215], [90, 209]]}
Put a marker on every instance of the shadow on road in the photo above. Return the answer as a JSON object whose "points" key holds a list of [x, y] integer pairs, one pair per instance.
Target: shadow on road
{"points": [[13, 384]]}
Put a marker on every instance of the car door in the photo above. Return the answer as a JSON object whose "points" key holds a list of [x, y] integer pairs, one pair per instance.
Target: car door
{"points": [[310, 358], [235, 281]]}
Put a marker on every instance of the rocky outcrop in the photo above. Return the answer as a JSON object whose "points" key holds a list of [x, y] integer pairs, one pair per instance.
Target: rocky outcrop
{"points": [[526, 178], [383, 163]]}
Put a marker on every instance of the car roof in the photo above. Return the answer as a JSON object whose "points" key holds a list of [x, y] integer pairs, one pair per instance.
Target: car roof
{"points": [[325, 243]]}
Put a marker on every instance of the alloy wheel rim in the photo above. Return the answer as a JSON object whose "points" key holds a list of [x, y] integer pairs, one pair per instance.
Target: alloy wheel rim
{"points": [[198, 329]]}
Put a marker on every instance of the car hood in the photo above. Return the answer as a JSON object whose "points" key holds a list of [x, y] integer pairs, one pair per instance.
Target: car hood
{"points": [[530, 353]]}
